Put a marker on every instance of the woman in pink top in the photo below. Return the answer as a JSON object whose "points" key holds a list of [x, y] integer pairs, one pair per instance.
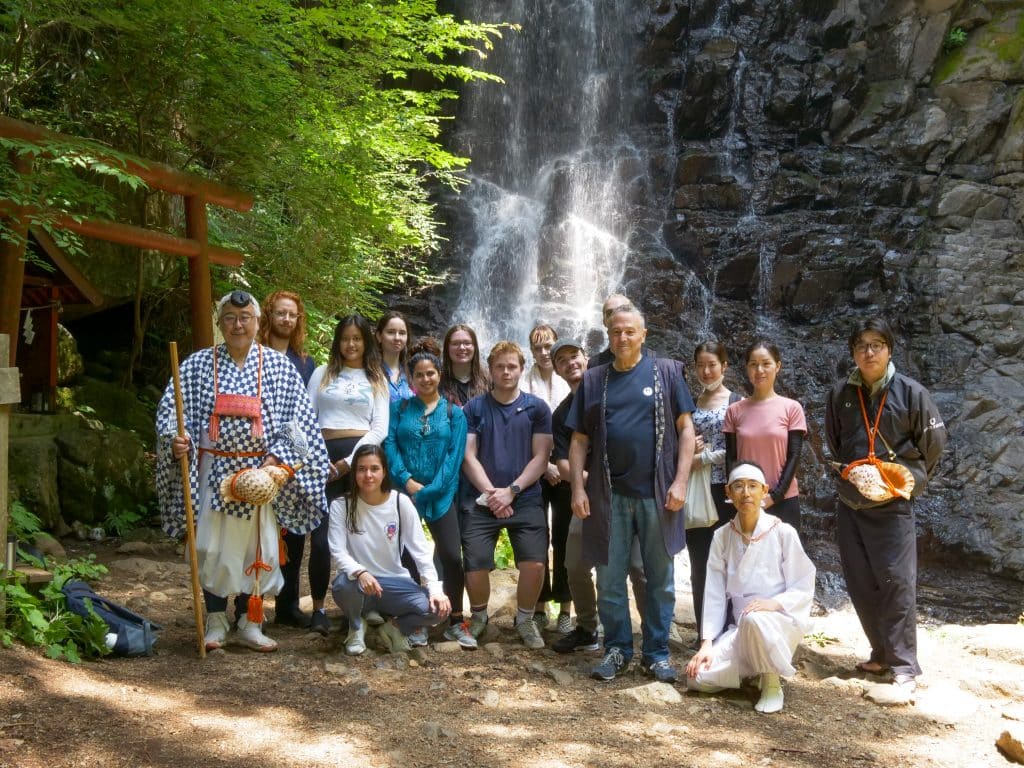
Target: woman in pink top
{"points": [[769, 430]]}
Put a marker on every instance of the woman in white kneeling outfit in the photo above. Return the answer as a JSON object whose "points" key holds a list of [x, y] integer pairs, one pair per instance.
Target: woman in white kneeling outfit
{"points": [[757, 562], [369, 529]]}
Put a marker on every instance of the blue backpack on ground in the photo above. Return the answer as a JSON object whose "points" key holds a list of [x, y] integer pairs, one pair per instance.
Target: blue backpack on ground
{"points": [[135, 634]]}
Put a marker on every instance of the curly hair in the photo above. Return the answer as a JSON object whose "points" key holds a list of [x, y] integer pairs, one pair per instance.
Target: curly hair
{"points": [[297, 342]]}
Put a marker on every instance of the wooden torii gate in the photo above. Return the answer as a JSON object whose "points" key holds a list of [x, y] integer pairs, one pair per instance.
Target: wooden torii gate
{"points": [[197, 193]]}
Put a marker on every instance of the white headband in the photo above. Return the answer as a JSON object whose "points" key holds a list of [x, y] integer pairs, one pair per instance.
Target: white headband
{"points": [[746, 472]]}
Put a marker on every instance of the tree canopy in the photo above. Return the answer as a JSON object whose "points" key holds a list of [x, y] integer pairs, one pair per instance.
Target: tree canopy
{"points": [[329, 112]]}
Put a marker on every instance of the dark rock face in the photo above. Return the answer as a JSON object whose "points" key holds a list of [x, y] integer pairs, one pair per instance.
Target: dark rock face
{"points": [[834, 160]]}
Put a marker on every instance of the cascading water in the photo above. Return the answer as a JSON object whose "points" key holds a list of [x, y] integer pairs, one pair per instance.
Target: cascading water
{"points": [[559, 174]]}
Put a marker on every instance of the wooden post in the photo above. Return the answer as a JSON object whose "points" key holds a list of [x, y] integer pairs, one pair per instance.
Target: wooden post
{"points": [[200, 289], [12, 267], [10, 392]]}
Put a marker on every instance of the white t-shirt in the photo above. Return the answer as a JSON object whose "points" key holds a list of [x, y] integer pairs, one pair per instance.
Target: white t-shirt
{"points": [[383, 530], [349, 402]]}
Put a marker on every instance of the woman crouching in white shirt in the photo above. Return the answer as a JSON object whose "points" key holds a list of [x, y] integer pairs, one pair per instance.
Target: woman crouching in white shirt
{"points": [[370, 527]]}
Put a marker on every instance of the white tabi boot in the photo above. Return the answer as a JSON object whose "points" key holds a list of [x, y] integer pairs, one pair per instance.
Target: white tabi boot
{"points": [[217, 627], [251, 636], [771, 694]]}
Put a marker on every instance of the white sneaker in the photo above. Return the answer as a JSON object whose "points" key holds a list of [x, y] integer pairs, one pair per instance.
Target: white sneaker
{"points": [[355, 642], [217, 628], [771, 694], [393, 638], [251, 636]]}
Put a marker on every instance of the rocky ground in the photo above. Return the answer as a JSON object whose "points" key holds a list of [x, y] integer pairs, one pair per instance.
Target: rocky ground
{"points": [[502, 706]]}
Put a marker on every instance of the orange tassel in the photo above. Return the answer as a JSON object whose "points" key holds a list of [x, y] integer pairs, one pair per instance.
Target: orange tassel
{"points": [[215, 427], [255, 610], [282, 549]]}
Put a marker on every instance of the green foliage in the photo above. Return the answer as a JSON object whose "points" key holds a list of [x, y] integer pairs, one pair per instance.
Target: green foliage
{"points": [[118, 522], [22, 522], [955, 38], [330, 113], [503, 555], [45, 621], [820, 639]]}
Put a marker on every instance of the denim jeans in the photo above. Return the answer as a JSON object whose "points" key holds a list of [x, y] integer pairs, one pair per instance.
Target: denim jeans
{"points": [[636, 517], [401, 598]]}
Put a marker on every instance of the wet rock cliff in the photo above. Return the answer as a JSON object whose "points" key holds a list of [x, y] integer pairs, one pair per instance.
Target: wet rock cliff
{"points": [[811, 162]]}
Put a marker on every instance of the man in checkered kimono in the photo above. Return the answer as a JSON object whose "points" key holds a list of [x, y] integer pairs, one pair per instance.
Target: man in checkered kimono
{"points": [[245, 406]]}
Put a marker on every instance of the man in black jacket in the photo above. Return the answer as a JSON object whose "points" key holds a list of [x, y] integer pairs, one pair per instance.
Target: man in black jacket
{"points": [[879, 412]]}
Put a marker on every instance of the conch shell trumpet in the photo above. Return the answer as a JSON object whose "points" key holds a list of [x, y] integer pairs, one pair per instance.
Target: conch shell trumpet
{"points": [[870, 480]]}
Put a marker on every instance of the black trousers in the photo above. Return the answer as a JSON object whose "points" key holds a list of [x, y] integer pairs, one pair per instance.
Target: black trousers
{"points": [[560, 498], [319, 551], [788, 511], [878, 551], [447, 558], [288, 597], [698, 547]]}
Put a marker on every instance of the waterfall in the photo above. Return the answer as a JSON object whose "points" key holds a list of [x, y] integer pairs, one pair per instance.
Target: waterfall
{"points": [[559, 175]]}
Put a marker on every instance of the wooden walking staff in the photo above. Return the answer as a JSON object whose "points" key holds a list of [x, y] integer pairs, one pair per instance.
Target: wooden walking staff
{"points": [[190, 522]]}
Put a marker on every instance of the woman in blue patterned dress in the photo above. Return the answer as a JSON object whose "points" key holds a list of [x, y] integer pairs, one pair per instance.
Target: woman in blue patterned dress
{"points": [[711, 361]]}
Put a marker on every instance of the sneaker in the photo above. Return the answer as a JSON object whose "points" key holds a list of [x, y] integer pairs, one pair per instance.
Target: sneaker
{"points": [[355, 642], [250, 634], [530, 633], [463, 635], [564, 624], [661, 671], [393, 638], [217, 628], [373, 618], [291, 616], [418, 639], [579, 639], [771, 694], [320, 623], [612, 663], [477, 624]]}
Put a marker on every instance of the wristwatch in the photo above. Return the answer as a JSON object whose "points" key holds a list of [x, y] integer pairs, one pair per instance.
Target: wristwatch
{"points": [[516, 490]]}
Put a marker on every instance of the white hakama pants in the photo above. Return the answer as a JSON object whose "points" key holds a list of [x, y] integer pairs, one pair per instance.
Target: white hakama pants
{"points": [[763, 641], [226, 546]]}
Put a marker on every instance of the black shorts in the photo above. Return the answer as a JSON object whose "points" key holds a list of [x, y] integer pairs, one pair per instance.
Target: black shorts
{"points": [[527, 531]]}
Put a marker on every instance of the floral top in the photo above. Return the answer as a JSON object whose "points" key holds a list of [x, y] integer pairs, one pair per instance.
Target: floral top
{"points": [[708, 424]]}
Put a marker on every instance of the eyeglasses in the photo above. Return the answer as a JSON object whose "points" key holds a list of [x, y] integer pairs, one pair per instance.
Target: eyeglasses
{"points": [[874, 347], [460, 344], [230, 320], [286, 315], [750, 486]]}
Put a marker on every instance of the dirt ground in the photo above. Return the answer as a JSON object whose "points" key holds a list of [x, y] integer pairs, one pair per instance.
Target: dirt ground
{"points": [[499, 707]]}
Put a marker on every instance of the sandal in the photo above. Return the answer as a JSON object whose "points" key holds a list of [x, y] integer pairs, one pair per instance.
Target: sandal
{"points": [[872, 667]]}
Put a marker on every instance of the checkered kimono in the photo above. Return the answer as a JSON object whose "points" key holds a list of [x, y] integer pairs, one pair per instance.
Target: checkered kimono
{"points": [[290, 432]]}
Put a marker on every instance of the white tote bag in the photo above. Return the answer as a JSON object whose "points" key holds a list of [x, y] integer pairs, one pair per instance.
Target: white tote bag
{"points": [[700, 505]]}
